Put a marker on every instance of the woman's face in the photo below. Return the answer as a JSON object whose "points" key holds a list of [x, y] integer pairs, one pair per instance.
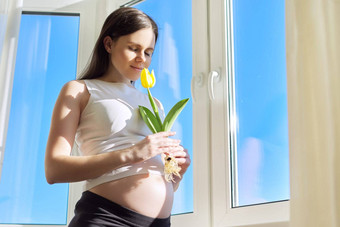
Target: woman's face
{"points": [[130, 54]]}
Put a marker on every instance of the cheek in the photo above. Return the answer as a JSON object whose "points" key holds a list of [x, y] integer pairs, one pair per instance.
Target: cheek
{"points": [[122, 57], [148, 62], [128, 55]]}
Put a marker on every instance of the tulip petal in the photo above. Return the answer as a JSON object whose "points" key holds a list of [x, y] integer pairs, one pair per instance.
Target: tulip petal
{"points": [[145, 78], [153, 79]]}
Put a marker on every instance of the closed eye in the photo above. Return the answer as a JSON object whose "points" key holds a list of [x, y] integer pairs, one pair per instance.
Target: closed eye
{"points": [[149, 54], [133, 49]]}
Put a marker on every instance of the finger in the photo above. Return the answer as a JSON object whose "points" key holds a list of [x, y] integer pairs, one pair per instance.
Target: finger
{"points": [[167, 142], [185, 150], [161, 139], [184, 162], [165, 134], [179, 154], [166, 150], [170, 149], [178, 151]]}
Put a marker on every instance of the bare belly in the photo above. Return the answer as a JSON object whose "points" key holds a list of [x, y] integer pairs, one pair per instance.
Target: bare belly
{"points": [[146, 194]]}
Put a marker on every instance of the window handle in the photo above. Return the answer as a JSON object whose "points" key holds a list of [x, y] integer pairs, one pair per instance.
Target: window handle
{"points": [[196, 81], [213, 75]]}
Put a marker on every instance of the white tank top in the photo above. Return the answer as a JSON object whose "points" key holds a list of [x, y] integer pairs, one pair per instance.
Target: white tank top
{"points": [[111, 121]]}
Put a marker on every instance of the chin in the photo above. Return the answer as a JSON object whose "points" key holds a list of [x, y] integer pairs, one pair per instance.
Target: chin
{"points": [[134, 77]]}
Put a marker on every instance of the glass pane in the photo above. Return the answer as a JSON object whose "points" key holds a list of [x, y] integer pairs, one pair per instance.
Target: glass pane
{"points": [[46, 59], [261, 162], [172, 62]]}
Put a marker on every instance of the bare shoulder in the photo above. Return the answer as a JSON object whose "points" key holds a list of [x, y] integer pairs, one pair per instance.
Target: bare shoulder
{"points": [[75, 91], [74, 88]]}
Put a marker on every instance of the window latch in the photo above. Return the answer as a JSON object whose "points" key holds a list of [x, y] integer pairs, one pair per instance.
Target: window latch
{"points": [[213, 76]]}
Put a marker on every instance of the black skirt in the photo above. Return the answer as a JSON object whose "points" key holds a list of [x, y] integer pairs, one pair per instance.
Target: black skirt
{"points": [[93, 210]]}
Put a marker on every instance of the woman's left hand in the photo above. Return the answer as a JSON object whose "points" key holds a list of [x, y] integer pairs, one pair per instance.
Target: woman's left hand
{"points": [[183, 160]]}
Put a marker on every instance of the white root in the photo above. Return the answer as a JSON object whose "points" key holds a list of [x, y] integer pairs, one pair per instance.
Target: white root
{"points": [[171, 168]]}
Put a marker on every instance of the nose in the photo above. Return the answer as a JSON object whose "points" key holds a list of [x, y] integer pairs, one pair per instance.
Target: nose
{"points": [[141, 57]]}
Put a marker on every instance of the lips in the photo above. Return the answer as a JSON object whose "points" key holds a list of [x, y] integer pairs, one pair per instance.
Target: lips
{"points": [[137, 68]]}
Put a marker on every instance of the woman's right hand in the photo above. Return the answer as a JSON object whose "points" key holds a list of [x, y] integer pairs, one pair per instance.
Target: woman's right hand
{"points": [[156, 144]]}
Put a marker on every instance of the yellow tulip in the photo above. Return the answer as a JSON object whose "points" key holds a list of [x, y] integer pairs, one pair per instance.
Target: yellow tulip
{"points": [[155, 124], [148, 80]]}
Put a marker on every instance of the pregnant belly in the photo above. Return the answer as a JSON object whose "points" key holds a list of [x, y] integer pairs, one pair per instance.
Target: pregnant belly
{"points": [[146, 194]]}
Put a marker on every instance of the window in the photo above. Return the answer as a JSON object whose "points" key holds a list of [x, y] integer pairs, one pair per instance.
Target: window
{"points": [[248, 109], [260, 170], [46, 41]]}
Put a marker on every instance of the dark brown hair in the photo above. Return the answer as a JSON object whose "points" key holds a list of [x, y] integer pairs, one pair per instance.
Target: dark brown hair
{"points": [[123, 21]]}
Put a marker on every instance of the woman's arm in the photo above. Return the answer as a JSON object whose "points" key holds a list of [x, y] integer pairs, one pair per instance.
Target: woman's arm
{"points": [[61, 167]]}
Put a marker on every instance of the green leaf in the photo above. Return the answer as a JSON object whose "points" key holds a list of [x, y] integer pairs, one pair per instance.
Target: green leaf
{"points": [[173, 114], [150, 119], [154, 107]]}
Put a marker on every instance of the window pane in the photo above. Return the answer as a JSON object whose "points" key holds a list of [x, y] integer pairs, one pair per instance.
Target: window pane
{"points": [[261, 162], [172, 62], [46, 59]]}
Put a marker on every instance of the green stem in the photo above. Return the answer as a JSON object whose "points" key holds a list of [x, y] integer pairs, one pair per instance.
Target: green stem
{"points": [[154, 107]]}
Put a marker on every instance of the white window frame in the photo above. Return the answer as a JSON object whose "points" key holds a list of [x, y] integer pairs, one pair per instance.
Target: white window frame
{"points": [[221, 60]]}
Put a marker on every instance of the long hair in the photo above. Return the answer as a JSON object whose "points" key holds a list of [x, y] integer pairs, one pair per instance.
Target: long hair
{"points": [[123, 21]]}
